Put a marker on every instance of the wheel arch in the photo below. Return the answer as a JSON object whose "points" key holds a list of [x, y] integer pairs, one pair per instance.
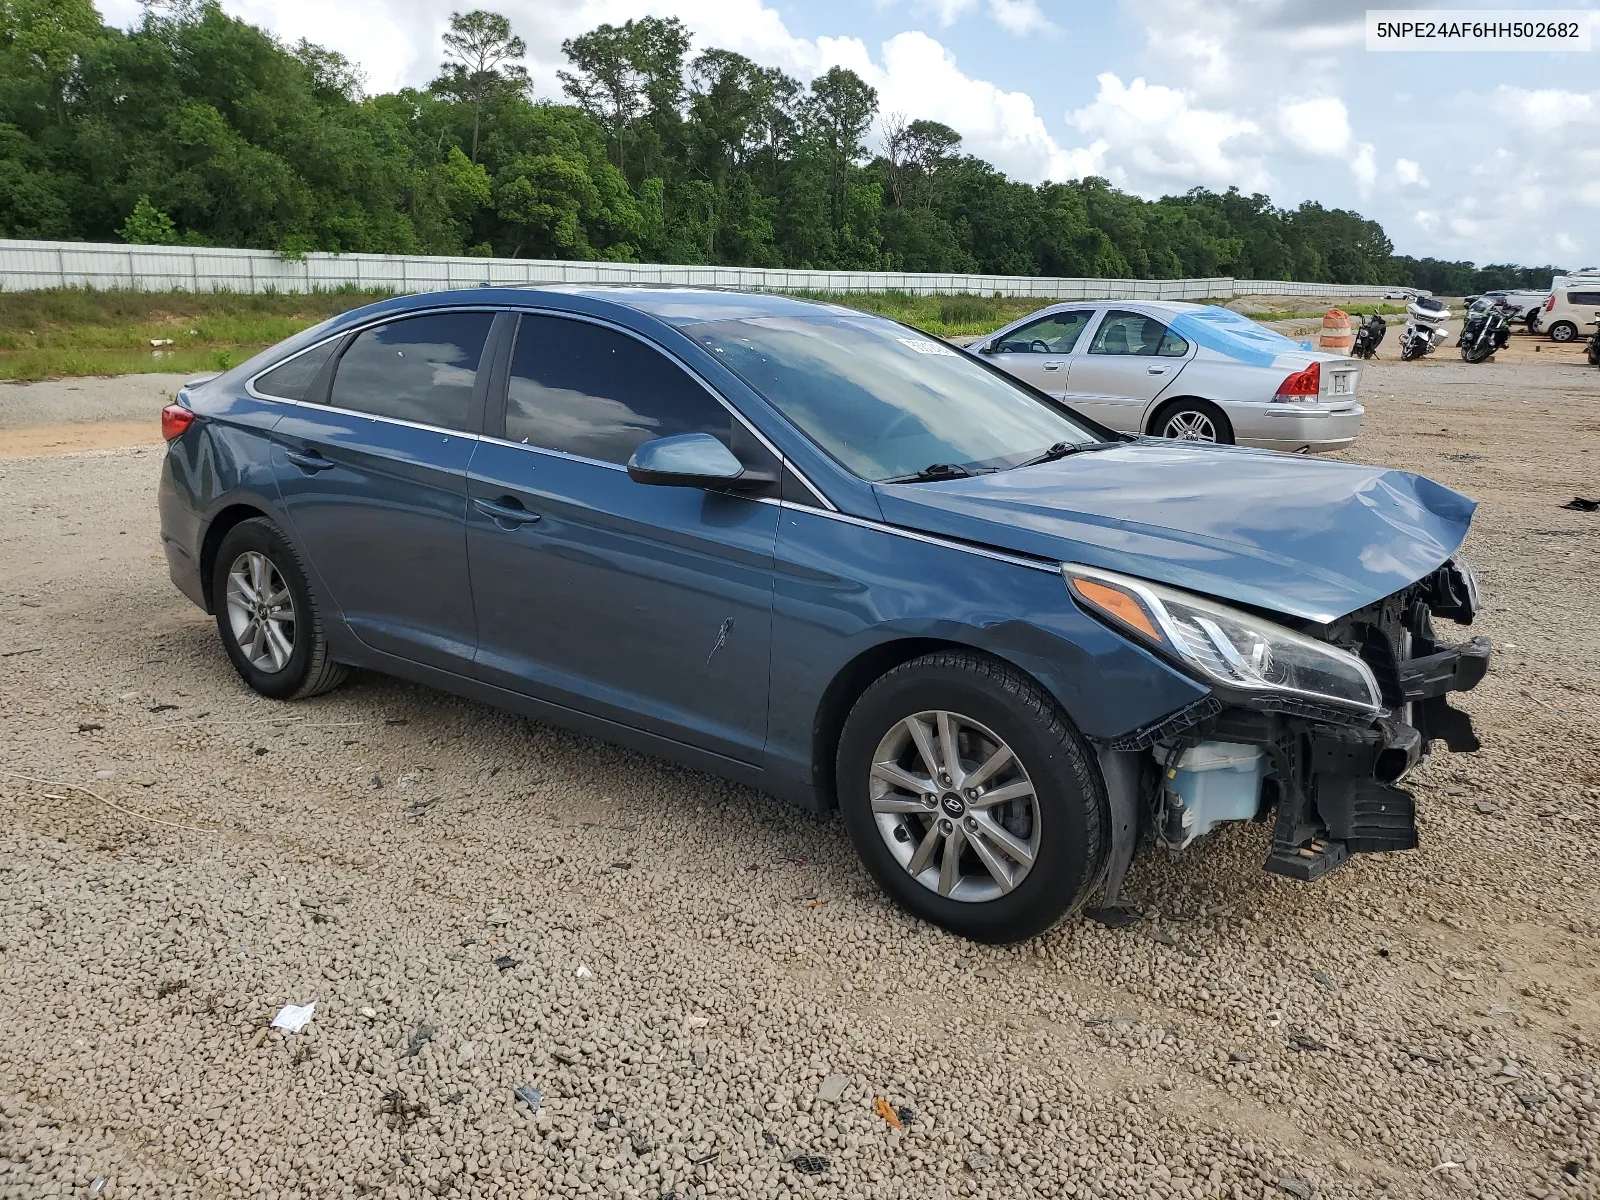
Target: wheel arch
{"points": [[855, 677], [232, 515]]}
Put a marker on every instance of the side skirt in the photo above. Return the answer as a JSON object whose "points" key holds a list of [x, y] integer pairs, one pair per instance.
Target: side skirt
{"points": [[796, 792]]}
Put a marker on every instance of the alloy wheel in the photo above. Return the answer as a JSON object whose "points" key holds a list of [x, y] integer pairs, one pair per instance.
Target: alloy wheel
{"points": [[261, 612], [955, 806], [1188, 425]]}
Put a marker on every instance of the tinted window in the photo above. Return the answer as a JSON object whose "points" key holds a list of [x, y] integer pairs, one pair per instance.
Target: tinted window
{"points": [[1134, 333], [1055, 334], [882, 399], [291, 380], [587, 390], [1583, 297], [417, 369]]}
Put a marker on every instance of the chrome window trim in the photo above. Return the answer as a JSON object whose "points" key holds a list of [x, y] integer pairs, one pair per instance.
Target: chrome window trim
{"points": [[930, 539], [250, 384], [387, 319], [599, 462], [355, 412], [681, 365]]}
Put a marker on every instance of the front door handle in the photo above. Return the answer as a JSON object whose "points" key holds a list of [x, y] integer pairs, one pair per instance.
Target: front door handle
{"points": [[507, 511], [1054, 366], [308, 461]]}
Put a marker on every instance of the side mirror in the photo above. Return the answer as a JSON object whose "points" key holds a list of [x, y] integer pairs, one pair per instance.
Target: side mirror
{"points": [[692, 460]]}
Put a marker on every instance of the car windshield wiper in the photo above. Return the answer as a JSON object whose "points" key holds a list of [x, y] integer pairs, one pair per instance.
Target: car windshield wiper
{"points": [[934, 471], [1066, 450]]}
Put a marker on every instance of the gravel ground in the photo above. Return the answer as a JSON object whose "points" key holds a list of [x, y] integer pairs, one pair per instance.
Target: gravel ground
{"points": [[701, 982]]}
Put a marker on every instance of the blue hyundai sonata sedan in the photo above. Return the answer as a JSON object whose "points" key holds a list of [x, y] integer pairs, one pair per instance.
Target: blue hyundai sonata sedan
{"points": [[831, 557]]}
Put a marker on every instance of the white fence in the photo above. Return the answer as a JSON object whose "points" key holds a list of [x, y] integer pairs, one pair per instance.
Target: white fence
{"points": [[27, 266]]}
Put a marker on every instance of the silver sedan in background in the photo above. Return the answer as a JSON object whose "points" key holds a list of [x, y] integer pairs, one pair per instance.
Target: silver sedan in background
{"points": [[1195, 372]]}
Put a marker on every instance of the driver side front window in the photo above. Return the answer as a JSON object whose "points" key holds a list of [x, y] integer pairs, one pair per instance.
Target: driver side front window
{"points": [[1055, 334]]}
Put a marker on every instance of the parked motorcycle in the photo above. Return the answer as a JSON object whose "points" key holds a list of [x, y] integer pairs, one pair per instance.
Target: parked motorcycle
{"points": [[1369, 335], [1425, 318], [1594, 341], [1486, 329]]}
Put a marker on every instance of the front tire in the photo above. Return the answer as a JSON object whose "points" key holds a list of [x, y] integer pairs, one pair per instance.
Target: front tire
{"points": [[1192, 421], [971, 798], [269, 623], [1563, 331]]}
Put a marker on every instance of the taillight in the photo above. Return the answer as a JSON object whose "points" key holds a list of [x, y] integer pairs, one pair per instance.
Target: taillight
{"points": [[1301, 383], [175, 418], [1550, 302]]}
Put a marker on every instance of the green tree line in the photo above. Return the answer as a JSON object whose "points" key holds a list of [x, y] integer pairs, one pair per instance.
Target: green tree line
{"points": [[197, 128]]}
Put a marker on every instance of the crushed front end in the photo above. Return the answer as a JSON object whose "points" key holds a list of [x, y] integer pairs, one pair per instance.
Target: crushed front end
{"points": [[1326, 770]]}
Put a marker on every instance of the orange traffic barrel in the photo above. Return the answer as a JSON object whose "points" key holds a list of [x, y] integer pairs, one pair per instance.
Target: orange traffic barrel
{"points": [[1336, 333]]}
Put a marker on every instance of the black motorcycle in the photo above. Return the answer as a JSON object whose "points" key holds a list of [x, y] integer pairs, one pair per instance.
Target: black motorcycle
{"points": [[1369, 336], [1486, 329], [1594, 341]]}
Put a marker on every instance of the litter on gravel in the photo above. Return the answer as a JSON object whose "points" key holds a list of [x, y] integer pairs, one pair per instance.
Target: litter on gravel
{"points": [[292, 1018]]}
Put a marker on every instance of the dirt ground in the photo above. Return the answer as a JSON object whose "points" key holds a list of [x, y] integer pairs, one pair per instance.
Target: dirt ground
{"points": [[702, 984]]}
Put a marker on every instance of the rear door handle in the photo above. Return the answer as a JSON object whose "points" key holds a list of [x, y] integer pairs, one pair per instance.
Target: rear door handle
{"points": [[1157, 370], [507, 511], [1054, 366], [308, 461]]}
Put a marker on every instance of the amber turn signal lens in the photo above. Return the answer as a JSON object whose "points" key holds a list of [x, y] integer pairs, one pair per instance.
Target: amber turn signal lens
{"points": [[1119, 604]]}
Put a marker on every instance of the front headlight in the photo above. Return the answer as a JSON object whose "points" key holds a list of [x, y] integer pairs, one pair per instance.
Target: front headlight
{"points": [[1236, 649]]}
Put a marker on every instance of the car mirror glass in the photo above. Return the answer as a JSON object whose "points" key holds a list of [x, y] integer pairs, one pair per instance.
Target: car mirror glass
{"points": [[690, 460]]}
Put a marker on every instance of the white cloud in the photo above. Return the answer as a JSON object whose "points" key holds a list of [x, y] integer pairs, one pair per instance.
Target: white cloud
{"points": [[1364, 166], [1320, 127], [1020, 17], [918, 76], [1408, 173], [1153, 139]]}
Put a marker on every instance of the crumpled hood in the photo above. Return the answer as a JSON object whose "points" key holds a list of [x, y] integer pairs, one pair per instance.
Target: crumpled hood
{"points": [[1307, 537]]}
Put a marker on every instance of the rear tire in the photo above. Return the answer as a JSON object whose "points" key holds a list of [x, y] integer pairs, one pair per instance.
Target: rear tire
{"points": [[269, 624], [1191, 420], [1563, 331], [904, 831]]}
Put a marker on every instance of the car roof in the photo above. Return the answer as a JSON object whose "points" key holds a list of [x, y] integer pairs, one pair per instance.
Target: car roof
{"points": [[683, 304]]}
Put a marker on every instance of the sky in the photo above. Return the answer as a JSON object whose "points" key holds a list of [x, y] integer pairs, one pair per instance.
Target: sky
{"points": [[1490, 157]]}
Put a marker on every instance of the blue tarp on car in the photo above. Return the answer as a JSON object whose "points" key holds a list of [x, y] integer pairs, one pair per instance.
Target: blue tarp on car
{"points": [[1229, 333]]}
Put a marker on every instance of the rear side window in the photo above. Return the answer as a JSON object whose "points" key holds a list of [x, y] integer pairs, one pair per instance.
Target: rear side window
{"points": [[418, 369], [1134, 333], [1583, 297], [591, 391], [290, 381]]}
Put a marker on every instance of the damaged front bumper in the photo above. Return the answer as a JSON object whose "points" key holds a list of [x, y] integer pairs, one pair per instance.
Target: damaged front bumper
{"points": [[1331, 783]]}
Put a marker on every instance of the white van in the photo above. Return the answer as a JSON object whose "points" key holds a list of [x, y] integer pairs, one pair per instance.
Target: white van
{"points": [[1573, 302]]}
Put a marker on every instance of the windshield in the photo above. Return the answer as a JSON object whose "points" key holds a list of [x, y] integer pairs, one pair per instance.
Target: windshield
{"points": [[884, 400]]}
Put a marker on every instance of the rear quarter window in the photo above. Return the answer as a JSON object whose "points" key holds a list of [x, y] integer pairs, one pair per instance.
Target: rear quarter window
{"points": [[290, 380]]}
